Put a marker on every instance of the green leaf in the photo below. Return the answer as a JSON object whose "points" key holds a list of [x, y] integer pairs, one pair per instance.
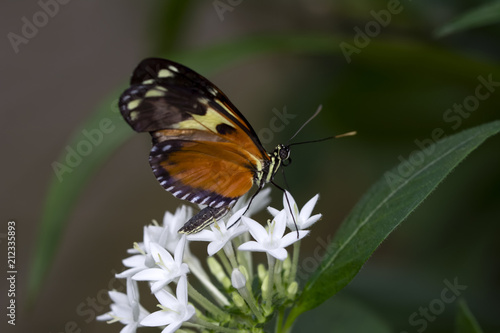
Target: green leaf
{"points": [[380, 211], [70, 177], [65, 189], [465, 321], [481, 16], [342, 314]]}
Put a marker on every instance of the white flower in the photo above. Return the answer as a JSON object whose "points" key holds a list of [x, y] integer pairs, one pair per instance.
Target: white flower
{"points": [[220, 235], [165, 236], [126, 308], [142, 259], [303, 218], [168, 269], [175, 310], [171, 224], [271, 240]]}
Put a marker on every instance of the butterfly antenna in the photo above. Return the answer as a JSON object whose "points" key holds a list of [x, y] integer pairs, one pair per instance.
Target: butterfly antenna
{"points": [[304, 124], [289, 207], [324, 139]]}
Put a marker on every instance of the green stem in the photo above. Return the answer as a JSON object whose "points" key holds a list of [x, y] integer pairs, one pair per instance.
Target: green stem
{"points": [[228, 250], [203, 324], [277, 276], [197, 270], [279, 321], [270, 280], [295, 262], [252, 303], [244, 256], [206, 304], [225, 262], [287, 327]]}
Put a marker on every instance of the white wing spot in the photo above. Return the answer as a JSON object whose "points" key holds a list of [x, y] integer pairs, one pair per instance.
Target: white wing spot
{"points": [[154, 93], [219, 205], [134, 115], [163, 183], [167, 147], [185, 197], [170, 188], [177, 193], [165, 73], [149, 81], [195, 199], [203, 100], [204, 200], [172, 68], [212, 91], [133, 104]]}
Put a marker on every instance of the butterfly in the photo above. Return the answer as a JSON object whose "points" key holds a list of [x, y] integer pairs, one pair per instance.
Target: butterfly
{"points": [[204, 150]]}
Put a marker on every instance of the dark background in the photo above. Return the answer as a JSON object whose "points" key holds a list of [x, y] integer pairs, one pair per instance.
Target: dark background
{"points": [[395, 91]]}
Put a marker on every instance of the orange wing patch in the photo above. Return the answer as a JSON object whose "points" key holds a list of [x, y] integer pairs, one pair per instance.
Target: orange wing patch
{"points": [[211, 173]]}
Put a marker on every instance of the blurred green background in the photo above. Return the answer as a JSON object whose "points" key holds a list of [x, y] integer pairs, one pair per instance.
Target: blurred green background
{"points": [[402, 82]]}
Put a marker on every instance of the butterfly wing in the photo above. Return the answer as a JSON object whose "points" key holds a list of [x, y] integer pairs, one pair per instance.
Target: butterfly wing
{"points": [[204, 150], [211, 173]]}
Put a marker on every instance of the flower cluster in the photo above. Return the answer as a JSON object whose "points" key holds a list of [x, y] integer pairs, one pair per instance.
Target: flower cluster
{"points": [[233, 303]]}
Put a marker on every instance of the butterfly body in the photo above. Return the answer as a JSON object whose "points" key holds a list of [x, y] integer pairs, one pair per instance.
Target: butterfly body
{"points": [[204, 150]]}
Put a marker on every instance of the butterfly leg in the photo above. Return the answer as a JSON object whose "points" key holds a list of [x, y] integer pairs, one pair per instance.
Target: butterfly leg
{"points": [[204, 218]]}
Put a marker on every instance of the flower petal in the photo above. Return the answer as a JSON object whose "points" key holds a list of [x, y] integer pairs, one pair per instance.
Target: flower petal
{"points": [[172, 327], [166, 299], [273, 211], [235, 217], [203, 236], [134, 261], [179, 250], [214, 247], [258, 232], [289, 204], [291, 237], [279, 253], [160, 254], [279, 225], [150, 274], [182, 290], [252, 246], [158, 318], [306, 211], [310, 221], [130, 328]]}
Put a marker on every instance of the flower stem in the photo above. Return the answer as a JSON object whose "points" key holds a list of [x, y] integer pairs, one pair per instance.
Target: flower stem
{"points": [[295, 261], [270, 280], [248, 297], [228, 250], [277, 277], [279, 321], [201, 324], [206, 304], [197, 270], [225, 262], [244, 257]]}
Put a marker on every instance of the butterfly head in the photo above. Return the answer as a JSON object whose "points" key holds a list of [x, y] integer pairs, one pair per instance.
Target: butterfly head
{"points": [[282, 154]]}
